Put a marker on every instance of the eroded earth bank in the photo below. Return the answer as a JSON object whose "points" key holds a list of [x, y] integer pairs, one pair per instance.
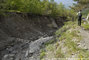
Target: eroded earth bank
{"points": [[22, 34]]}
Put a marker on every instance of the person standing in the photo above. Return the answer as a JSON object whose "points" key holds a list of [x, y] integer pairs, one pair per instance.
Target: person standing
{"points": [[79, 17]]}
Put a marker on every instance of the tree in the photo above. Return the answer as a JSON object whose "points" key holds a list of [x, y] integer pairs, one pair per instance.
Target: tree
{"points": [[45, 7], [81, 4], [2, 6]]}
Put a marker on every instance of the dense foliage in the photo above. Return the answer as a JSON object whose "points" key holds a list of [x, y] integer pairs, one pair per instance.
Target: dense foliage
{"points": [[43, 7], [81, 4]]}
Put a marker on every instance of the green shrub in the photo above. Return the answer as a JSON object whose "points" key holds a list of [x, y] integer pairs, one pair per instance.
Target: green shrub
{"points": [[44, 7]]}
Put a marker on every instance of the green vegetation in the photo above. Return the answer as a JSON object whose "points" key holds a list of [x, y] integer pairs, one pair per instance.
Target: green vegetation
{"points": [[42, 54], [85, 23], [41, 7], [59, 53], [86, 26], [82, 4], [85, 12], [44, 7], [66, 45], [68, 36]]}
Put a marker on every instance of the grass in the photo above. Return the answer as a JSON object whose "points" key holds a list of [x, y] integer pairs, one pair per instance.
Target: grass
{"points": [[85, 23], [59, 53], [69, 37], [49, 42], [50, 47], [42, 54], [86, 26]]}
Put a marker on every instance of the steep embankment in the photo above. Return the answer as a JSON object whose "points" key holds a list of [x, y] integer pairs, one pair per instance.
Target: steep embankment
{"points": [[17, 30], [28, 26]]}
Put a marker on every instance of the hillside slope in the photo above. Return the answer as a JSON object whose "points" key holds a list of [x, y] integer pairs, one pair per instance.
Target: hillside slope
{"points": [[72, 43]]}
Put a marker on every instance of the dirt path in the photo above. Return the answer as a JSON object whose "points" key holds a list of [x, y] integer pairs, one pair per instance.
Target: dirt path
{"points": [[85, 36]]}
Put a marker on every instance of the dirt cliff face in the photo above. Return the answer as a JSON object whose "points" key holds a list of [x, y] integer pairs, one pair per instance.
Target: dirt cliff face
{"points": [[27, 26], [18, 30]]}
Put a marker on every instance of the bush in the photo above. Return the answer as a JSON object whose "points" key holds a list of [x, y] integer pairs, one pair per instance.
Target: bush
{"points": [[37, 7]]}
